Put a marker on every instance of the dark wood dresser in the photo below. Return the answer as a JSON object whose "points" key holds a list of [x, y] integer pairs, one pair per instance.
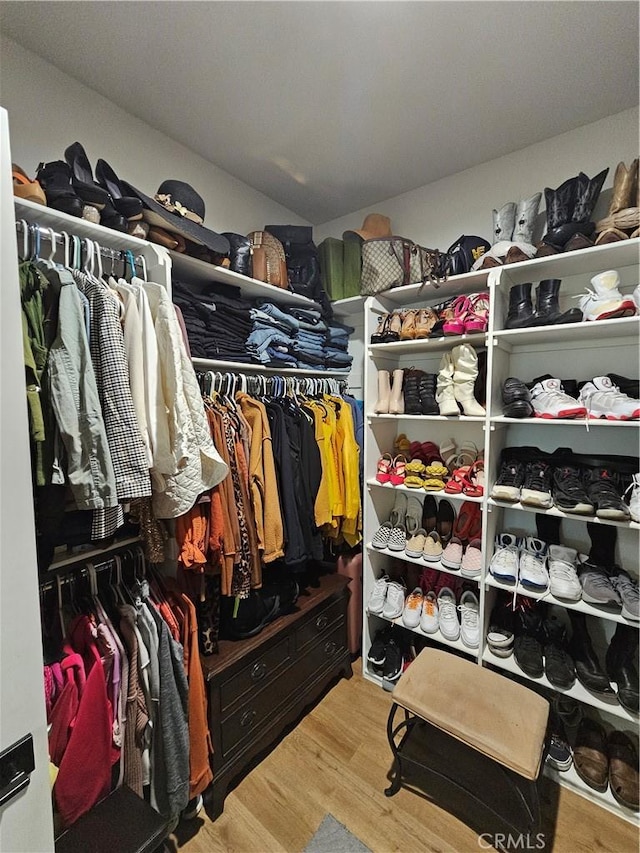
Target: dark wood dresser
{"points": [[260, 686]]}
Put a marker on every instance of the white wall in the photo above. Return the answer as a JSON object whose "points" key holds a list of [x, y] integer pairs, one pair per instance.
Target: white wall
{"points": [[48, 110], [437, 214]]}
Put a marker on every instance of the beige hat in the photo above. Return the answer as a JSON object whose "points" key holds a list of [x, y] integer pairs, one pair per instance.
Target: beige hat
{"points": [[374, 225]]}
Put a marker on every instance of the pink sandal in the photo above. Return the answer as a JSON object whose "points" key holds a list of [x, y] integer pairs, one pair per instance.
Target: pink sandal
{"points": [[477, 317], [385, 463], [473, 486], [460, 309], [397, 473]]}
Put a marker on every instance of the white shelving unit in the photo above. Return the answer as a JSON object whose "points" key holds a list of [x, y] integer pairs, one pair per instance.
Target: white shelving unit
{"points": [[578, 351]]}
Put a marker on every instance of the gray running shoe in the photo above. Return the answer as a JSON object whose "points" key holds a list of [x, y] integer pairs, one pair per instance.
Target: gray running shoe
{"points": [[597, 587], [627, 589]]}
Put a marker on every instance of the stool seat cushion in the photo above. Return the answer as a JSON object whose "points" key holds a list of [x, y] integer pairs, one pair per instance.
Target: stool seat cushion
{"points": [[488, 712]]}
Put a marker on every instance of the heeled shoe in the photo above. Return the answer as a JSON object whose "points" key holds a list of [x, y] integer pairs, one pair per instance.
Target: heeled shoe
{"points": [[129, 206], [90, 192], [55, 180], [25, 188]]}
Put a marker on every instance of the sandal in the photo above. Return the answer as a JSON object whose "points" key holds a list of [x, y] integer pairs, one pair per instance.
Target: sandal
{"points": [[426, 319], [383, 323], [402, 444], [436, 469], [433, 484], [392, 330], [449, 454], [431, 453], [456, 324], [397, 472], [383, 473], [467, 454], [473, 485], [477, 317], [455, 484], [413, 481]]}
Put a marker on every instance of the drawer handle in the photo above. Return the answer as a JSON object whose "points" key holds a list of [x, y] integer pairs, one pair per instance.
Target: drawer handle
{"points": [[247, 719], [330, 648], [258, 671], [322, 622]]}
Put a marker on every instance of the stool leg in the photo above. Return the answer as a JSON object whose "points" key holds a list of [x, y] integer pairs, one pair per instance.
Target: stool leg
{"points": [[392, 733]]}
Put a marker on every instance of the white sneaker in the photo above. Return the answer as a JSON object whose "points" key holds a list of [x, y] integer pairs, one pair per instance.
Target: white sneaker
{"points": [[469, 628], [448, 614], [394, 602], [429, 618], [563, 578], [532, 568], [603, 399], [634, 499], [504, 563], [605, 301], [412, 612], [378, 595], [636, 298], [549, 401]]}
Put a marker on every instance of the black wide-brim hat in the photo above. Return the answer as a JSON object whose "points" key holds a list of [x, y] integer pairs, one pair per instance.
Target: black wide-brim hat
{"points": [[179, 209]]}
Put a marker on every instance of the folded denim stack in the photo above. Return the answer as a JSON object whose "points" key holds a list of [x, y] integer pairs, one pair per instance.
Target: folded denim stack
{"points": [[272, 340], [218, 321]]}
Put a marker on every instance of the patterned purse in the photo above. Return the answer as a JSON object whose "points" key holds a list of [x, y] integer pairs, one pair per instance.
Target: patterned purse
{"points": [[395, 261]]}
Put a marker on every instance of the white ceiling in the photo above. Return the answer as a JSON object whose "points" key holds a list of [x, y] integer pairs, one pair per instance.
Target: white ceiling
{"points": [[329, 107]]}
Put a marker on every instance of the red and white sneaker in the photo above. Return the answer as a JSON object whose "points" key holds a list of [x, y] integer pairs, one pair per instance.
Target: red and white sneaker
{"points": [[550, 401], [605, 302], [603, 399]]}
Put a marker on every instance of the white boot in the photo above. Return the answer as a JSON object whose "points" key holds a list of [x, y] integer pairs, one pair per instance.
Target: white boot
{"points": [[605, 300], [444, 394], [504, 221], [526, 213], [396, 401], [384, 393], [465, 362]]}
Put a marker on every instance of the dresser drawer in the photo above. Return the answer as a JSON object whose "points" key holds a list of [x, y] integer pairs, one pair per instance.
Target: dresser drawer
{"points": [[320, 623], [255, 676]]}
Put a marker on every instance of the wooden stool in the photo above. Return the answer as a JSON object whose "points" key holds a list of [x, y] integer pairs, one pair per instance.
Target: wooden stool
{"points": [[481, 732]]}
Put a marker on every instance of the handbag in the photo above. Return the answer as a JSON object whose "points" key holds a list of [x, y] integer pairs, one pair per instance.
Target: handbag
{"points": [[267, 259], [461, 255], [389, 262]]}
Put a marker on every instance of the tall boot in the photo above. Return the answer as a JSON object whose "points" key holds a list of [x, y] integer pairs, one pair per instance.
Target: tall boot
{"points": [[620, 661], [560, 203], [411, 392], [427, 393], [465, 361], [504, 221], [625, 183], [588, 669], [384, 393], [445, 397], [587, 194], [396, 400], [526, 213], [547, 310], [480, 385], [520, 313]]}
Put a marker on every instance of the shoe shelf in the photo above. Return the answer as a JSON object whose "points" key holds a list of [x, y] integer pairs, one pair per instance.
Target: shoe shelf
{"points": [[600, 331], [606, 800], [420, 563], [577, 691], [592, 260], [423, 492], [581, 606], [627, 525], [409, 294], [463, 418], [585, 423], [426, 345], [242, 367], [194, 271], [349, 307], [437, 637]]}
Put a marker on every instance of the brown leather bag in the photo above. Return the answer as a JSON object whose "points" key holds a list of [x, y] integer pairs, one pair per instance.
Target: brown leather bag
{"points": [[268, 262]]}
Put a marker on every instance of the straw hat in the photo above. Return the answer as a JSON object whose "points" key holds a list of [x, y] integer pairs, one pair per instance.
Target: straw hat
{"points": [[374, 225]]}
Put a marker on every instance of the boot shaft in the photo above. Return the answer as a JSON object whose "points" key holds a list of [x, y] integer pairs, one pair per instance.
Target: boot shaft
{"points": [[427, 394], [587, 194], [520, 312], [525, 219], [384, 393], [396, 399], [504, 221]]}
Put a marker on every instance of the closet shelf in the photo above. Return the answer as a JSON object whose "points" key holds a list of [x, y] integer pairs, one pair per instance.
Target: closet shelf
{"points": [[454, 286], [595, 331], [47, 217], [443, 344], [571, 780], [458, 645], [580, 422], [629, 525], [348, 307], [583, 261], [241, 367], [420, 563], [422, 492], [580, 606], [194, 271], [577, 691], [460, 419], [93, 554]]}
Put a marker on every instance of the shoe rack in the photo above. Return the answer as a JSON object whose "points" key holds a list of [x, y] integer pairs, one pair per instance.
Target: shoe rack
{"points": [[574, 351]]}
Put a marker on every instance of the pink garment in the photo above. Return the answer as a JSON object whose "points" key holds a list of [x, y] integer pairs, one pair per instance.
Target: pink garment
{"points": [[63, 714]]}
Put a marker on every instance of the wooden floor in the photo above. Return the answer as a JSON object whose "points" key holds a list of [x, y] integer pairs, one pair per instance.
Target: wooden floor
{"points": [[336, 761]]}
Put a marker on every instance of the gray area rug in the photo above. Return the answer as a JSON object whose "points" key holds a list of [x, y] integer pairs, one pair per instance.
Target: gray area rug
{"points": [[333, 837]]}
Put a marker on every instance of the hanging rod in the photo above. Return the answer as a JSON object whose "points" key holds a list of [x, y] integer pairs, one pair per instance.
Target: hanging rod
{"points": [[45, 233]]}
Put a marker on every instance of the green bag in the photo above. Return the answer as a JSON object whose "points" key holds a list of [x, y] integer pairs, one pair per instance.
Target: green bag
{"points": [[352, 266], [331, 267]]}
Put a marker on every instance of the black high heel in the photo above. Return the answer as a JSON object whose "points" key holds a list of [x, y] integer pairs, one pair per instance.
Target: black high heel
{"points": [[55, 180], [89, 191], [124, 203]]}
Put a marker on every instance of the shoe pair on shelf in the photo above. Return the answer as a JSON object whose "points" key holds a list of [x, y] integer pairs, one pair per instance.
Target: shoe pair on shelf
{"points": [[386, 654], [422, 529], [432, 613], [607, 761], [521, 560], [407, 325], [548, 397]]}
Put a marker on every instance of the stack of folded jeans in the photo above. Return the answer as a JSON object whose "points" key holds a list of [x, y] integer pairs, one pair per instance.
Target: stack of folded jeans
{"points": [[337, 345], [218, 321], [272, 340]]}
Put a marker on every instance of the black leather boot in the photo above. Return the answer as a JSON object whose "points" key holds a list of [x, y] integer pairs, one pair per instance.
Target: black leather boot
{"points": [[621, 665], [411, 393], [547, 312], [559, 204], [587, 194], [520, 313], [55, 180], [427, 392], [590, 673]]}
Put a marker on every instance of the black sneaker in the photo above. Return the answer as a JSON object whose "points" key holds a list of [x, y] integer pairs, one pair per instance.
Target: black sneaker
{"points": [[536, 488], [510, 479], [393, 662], [559, 755], [558, 663], [378, 651], [569, 493], [527, 648], [516, 399], [603, 491]]}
